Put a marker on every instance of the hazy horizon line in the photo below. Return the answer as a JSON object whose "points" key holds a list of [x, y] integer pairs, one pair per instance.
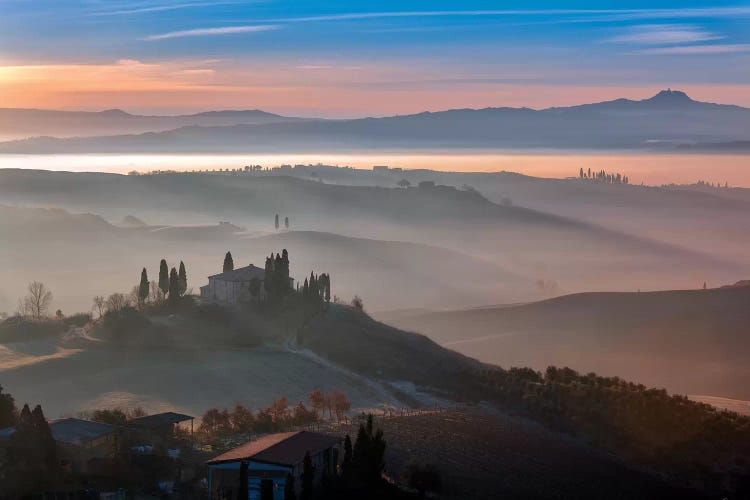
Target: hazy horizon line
{"points": [[195, 111]]}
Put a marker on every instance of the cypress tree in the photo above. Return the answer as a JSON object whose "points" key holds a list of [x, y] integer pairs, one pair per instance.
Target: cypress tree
{"points": [[228, 263], [346, 465], [276, 222], [286, 222], [163, 277], [313, 286], [182, 279], [280, 274], [43, 436], [243, 487], [7, 409], [327, 285], [289, 490], [268, 280], [307, 478], [174, 286], [143, 288], [285, 270]]}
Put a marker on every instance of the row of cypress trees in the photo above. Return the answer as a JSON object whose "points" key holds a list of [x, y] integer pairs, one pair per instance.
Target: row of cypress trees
{"points": [[172, 284], [318, 287]]}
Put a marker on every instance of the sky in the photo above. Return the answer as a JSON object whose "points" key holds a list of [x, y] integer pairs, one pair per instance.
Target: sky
{"points": [[366, 58]]}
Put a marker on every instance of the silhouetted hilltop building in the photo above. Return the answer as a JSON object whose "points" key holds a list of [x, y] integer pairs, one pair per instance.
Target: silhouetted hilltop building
{"points": [[232, 287]]}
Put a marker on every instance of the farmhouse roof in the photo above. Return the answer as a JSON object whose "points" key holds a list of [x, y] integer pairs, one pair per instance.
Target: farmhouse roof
{"points": [[77, 431], [71, 430], [286, 448], [246, 273], [159, 420]]}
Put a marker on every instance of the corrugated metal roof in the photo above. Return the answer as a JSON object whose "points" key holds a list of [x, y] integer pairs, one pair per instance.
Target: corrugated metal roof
{"points": [[246, 273], [71, 430], [159, 420], [287, 448], [77, 431]]}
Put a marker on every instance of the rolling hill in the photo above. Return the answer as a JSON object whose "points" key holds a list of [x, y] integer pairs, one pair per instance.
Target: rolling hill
{"points": [[691, 342], [668, 119], [374, 363], [53, 245], [709, 219], [561, 253]]}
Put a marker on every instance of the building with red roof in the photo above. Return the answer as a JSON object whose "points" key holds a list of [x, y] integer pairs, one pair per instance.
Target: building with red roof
{"points": [[272, 461]]}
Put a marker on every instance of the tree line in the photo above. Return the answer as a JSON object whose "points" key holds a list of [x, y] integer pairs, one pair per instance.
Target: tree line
{"points": [[170, 287], [217, 423], [602, 176], [677, 437]]}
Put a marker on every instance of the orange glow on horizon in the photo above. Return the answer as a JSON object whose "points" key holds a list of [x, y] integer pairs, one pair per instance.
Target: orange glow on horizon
{"points": [[180, 86]]}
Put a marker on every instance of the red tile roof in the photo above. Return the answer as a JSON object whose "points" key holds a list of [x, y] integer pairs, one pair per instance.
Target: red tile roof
{"points": [[286, 448]]}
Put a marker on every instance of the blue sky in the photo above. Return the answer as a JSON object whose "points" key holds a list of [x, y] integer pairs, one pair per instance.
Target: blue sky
{"points": [[354, 58]]}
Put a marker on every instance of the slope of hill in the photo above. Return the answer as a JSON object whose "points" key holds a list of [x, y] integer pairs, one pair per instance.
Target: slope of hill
{"points": [[389, 274], [22, 123], [357, 354], [667, 119], [713, 220], [557, 251], [53, 245], [691, 342]]}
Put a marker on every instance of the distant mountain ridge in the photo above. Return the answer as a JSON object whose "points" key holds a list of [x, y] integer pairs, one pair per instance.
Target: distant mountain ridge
{"points": [[667, 120], [27, 122]]}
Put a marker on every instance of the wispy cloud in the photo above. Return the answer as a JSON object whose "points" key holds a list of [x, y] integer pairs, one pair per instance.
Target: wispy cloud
{"points": [[323, 67], [623, 14], [157, 8], [223, 30], [695, 49], [664, 34]]}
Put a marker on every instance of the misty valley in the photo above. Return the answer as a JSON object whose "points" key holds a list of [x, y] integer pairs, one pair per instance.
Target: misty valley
{"points": [[560, 280], [373, 250]]}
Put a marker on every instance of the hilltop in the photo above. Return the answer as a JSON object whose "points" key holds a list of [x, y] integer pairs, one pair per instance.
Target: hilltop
{"points": [[664, 121]]}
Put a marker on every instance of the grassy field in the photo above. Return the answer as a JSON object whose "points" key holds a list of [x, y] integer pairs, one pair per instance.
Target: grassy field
{"points": [[185, 380]]}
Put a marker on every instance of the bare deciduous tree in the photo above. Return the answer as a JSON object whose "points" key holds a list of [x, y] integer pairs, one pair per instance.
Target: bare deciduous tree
{"points": [[156, 296], [117, 302], [339, 404], [99, 305], [37, 301]]}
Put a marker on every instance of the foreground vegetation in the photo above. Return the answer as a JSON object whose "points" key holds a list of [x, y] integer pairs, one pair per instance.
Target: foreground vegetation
{"points": [[689, 443]]}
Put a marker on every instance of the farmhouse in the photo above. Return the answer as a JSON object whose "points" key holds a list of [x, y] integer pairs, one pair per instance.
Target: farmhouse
{"points": [[233, 287], [274, 465]]}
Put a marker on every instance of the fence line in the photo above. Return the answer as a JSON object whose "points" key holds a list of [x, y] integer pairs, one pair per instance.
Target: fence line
{"points": [[384, 414]]}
